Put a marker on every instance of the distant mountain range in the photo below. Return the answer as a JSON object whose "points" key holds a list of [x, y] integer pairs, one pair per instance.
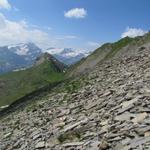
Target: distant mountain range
{"points": [[18, 56], [23, 55], [67, 55]]}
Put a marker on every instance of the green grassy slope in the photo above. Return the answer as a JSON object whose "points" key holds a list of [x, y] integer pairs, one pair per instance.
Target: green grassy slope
{"points": [[15, 85]]}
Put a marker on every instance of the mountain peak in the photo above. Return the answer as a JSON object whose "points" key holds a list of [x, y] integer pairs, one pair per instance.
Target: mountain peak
{"points": [[46, 57], [24, 48], [17, 56]]}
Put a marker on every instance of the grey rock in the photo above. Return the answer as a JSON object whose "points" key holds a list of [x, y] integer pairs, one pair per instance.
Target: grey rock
{"points": [[40, 145]]}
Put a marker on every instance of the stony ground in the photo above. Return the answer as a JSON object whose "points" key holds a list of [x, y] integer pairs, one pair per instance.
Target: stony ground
{"points": [[109, 108]]}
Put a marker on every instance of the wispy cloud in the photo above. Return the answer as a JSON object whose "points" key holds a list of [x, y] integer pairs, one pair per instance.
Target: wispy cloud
{"points": [[70, 37], [16, 9], [76, 13], [93, 44], [49, 28], [5, 4], [60, 37], [133, 32]]}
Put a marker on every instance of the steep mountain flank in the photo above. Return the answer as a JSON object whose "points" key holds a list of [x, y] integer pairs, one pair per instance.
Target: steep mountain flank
{"points": [[107, 108], [106, 52], [15, 85]]}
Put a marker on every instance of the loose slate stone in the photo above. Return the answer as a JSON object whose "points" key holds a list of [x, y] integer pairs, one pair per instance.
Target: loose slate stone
{"points": [[122, 110], [142, 131], [140, 117], [73, 145], [7, 135], [40, 145], [124, 116], [139, 141], [127, 103], [70, 127]]}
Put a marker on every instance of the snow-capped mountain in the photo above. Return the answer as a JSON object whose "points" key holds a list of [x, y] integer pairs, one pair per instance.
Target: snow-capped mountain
{"points": [[67, 55], [18, 56]]}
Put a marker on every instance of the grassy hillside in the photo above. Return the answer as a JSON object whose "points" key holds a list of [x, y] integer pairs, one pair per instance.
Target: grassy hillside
{"points": [[15, 85]]}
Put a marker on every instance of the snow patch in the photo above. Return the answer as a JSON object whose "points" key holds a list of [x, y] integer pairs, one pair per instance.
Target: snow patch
{"points": [[53, 51], [22, 50]]}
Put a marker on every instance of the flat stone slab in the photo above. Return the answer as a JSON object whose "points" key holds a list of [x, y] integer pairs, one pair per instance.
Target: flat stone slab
{"points": [[140, 117], [127, 103], [142, 131], [73, 144], [122, 110], [70, 127], [139, 141], [94, 145], [124, 116], [40, 145]]}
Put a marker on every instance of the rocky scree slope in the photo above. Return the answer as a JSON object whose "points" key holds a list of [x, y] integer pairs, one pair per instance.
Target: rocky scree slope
{"points": [[108, 108]]}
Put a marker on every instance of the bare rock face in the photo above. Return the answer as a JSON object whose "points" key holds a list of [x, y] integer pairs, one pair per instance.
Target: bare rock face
{"points": [[106, 109]]}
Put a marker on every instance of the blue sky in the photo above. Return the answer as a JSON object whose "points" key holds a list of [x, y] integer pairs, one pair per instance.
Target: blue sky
{"points": [[79, 24]]}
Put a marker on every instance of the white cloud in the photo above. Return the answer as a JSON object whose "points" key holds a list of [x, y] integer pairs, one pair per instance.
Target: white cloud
{"points": [[49, 28], [12, 32], [5, 4], [54, 50], [93, 44], [66, 37], [133, 32], [70, 37], [76, 13]]}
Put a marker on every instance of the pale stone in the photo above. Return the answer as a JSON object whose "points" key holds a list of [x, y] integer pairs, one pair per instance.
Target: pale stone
{"points": [[140, 117], [7, 135], [75, 144], [40, 145], [147, 133], [103, 123], [127, 103]]}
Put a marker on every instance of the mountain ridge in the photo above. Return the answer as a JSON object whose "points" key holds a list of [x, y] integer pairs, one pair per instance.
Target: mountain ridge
{"points": [[106, 52]]}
